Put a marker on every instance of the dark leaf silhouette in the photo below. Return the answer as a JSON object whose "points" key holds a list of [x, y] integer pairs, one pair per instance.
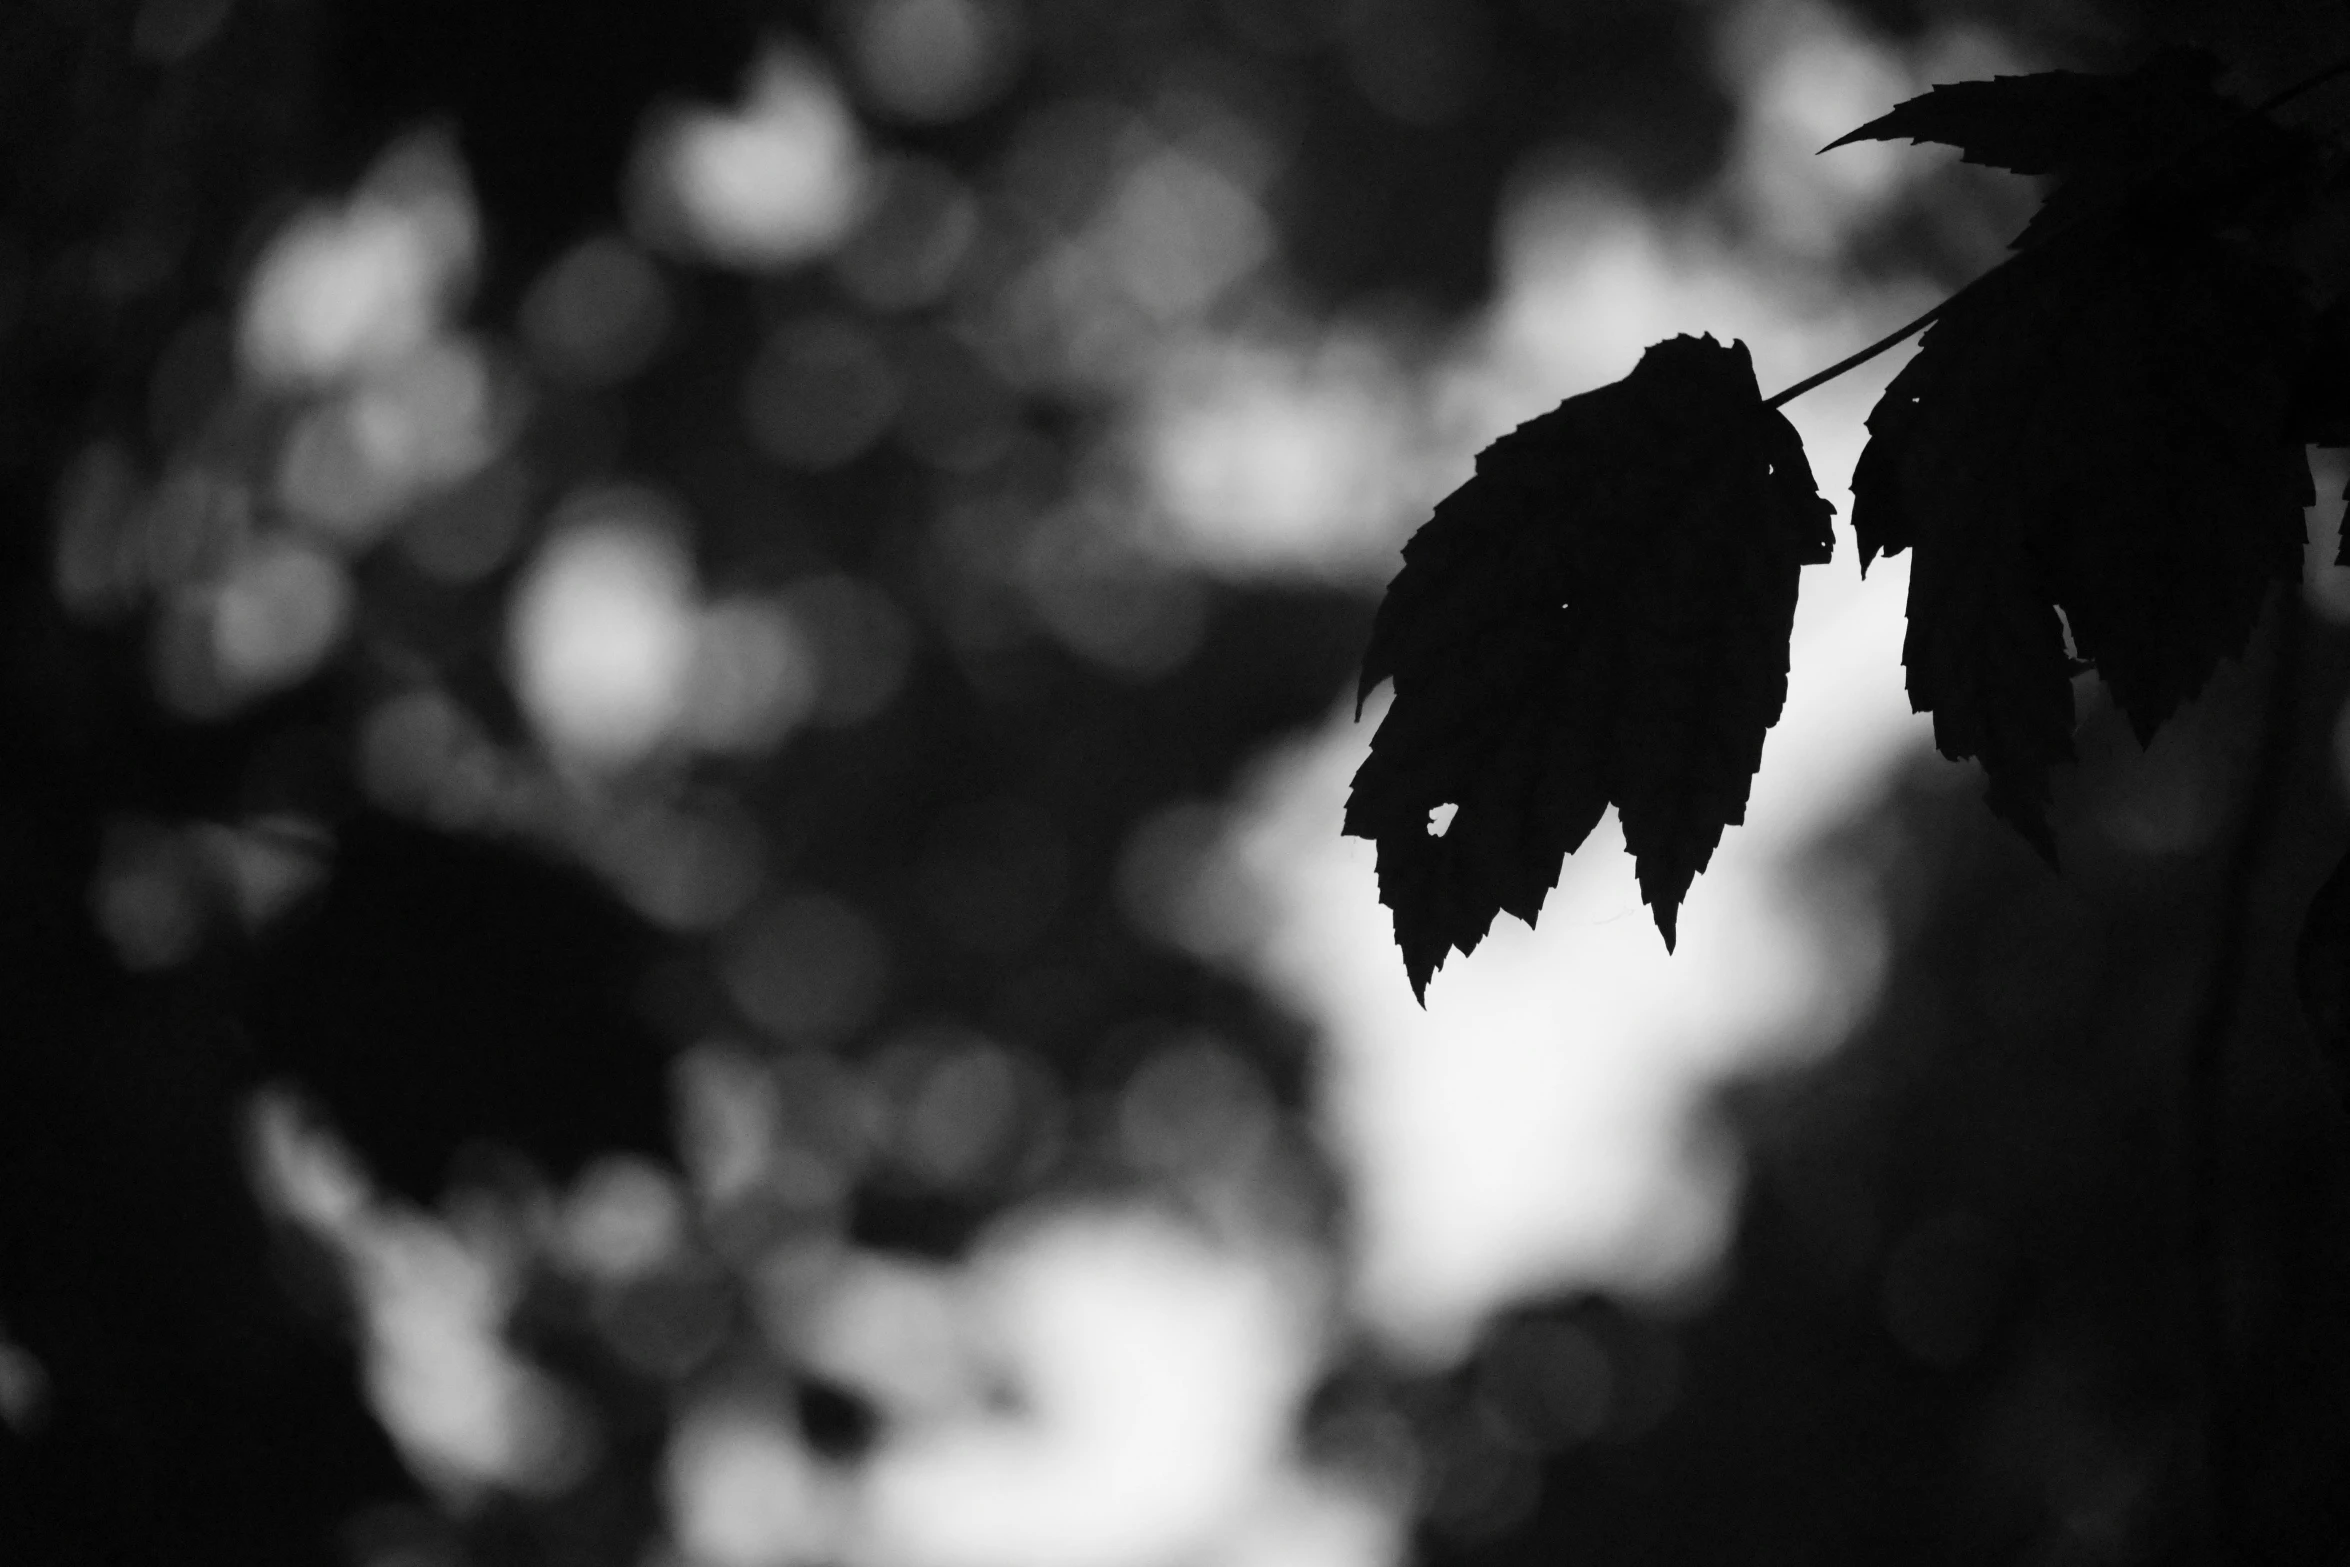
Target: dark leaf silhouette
{"points": [[2159, 136], [2100, 428], [1600, 616], [2061, 122]]}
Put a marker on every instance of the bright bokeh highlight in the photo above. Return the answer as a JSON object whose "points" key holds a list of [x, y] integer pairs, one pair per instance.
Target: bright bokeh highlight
{"points": [[1098, 1383], [770, 183]]}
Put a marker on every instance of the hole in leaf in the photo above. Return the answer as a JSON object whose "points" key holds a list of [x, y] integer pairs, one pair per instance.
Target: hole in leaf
{"points": [[1441, 817]]}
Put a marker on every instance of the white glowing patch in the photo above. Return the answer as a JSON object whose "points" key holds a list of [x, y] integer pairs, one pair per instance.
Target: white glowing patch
{"points": [[1271, 461], [1265, 458], [465, 1412], [1531, 1129], [898, 1331], [1157, 1376], [777, 181], [1589, 280], [744, 1491], [1805, 76], [302, 1168], [604, 631], [1308, 1521], [344, 288], [1534, 1128]]}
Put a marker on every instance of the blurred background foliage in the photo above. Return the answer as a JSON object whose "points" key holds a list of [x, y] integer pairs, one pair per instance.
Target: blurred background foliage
{"points": [[669, 886]]}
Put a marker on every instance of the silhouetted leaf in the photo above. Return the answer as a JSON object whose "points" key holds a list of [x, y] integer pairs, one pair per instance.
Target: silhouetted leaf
{"points": [[1600, 616], [2158, 136], [2060, 122], [2100, 427]]}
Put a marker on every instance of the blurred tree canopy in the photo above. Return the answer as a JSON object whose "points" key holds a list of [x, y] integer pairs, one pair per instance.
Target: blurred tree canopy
{"points": [[321, 780]]}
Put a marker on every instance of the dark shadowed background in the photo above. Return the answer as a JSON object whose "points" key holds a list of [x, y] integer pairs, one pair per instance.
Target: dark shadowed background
{"points": [[677, 692]]}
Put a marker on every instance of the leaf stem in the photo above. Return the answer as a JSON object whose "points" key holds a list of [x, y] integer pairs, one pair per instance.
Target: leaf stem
{"points": [[1854, 361], [2310, 83]]}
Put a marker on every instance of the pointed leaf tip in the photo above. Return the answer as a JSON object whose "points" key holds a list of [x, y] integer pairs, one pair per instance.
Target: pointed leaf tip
{"points": [[2160, 137], [2054, 122]]}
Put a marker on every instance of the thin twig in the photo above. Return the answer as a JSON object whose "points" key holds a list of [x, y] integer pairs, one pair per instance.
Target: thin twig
{"points": [[1852, 361], [2311, 83]]}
